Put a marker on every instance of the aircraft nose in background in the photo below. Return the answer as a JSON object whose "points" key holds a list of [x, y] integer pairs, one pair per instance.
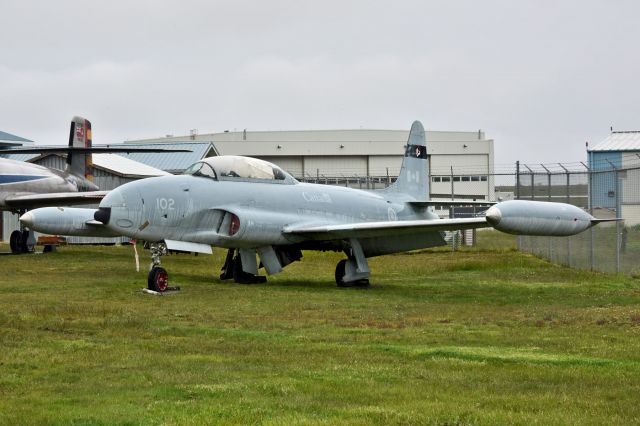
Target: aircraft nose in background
{"points": [[27, 219], [493, 215]]}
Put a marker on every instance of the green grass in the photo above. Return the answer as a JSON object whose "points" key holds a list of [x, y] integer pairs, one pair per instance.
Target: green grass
{"points": [[482, 336]]}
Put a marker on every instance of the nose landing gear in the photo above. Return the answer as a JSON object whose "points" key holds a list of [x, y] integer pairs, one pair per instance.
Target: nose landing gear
{"points": [[158, 279]]}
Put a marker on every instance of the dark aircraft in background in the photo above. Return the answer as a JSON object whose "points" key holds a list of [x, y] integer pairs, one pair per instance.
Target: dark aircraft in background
{"points": [[25, 186], [266, 218]]}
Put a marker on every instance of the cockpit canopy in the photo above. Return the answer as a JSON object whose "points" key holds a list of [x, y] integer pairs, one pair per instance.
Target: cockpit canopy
{"points": [[231, 167]]}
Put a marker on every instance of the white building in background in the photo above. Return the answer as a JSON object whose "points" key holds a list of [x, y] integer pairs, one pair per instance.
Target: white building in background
{"points": [[460, 162]]}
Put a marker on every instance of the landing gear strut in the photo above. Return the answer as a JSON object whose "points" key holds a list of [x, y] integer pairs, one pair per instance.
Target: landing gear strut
{"points": [[232, 269], [345, 279], [354, 271], [158, 279]]}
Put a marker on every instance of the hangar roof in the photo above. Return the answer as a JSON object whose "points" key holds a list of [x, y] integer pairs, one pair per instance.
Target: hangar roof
{"points": [[619, 141], [110, 162], [125, 166], [331, 142], [19, 157], [173, 162]]}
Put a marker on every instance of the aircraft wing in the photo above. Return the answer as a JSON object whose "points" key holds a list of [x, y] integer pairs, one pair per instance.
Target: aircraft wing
{"points": [[441, 203], [95, 149], [382, 229], [32, 201]]}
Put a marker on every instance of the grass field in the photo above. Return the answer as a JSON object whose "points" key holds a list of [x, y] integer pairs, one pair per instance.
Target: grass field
{"points": [[480, 336]]}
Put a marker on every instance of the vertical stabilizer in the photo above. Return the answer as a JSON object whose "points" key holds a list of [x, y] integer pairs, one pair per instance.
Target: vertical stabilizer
{"points": [[414, 173], [80, 163]]}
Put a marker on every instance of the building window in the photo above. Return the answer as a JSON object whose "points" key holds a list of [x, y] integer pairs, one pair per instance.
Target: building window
{"points": [[456, 178], [475, 178], [446, 179], [436, 179], [483, 178], [466, 178]]}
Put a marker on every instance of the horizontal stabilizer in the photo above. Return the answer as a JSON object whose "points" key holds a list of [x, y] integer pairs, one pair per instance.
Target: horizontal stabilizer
{"points": [[459, 203], [86, 150], [596, 221]]}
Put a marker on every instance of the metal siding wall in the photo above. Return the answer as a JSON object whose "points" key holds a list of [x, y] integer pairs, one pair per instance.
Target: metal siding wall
{"points": [[378, 165], [292, 164], [603, 184], [630, 187], [462, 164], [52, 161], [10, 223], [336, 166], [465, 166]]}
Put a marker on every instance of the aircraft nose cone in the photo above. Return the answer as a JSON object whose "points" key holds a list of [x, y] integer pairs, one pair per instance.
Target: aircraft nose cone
{"points": [[493, 215], [27, 219]]}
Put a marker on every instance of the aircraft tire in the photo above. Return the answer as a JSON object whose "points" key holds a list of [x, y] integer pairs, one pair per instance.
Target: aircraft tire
{"points": [[340, 271], [25, 247], [15, 241], [158, 279], [242, 277]]}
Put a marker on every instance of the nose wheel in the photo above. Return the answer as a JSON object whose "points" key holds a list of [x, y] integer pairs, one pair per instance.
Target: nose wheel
{"points": [[158, 279]]}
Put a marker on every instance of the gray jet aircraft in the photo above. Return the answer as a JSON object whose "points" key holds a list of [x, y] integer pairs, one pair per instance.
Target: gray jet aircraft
{"points": [[266, 218], [25, 186]]}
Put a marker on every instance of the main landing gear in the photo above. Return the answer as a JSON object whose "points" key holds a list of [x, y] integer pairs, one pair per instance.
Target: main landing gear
{"points": [[353, 271], [232, 269], [22, 242]]}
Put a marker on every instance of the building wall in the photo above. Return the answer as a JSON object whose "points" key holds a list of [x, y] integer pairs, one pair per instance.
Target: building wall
{"points": [[362, 152], [603, 183], [606, 189]]}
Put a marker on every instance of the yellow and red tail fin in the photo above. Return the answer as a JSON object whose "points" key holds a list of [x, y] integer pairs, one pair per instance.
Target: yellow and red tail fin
{"points": [[80, 163]]}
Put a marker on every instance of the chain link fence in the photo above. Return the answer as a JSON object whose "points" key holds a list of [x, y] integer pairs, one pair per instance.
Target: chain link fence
{"points": [[606, 193]]}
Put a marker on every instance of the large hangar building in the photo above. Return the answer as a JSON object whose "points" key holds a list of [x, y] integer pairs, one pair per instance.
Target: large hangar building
{"points": [[461, 163]]}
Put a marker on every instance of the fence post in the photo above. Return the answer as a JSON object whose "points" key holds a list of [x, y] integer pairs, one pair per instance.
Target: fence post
{"points": [[532, 179], [618, 216], [592, 253], [452, 196], [568, 201], [517, 180], [550, 252]]}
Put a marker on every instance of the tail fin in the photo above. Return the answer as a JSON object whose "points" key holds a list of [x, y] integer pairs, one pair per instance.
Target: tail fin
{"points": [[79, 163], [414, 173]]}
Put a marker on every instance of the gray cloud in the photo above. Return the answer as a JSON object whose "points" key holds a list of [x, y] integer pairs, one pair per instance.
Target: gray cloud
{"points": [[540, 77]]}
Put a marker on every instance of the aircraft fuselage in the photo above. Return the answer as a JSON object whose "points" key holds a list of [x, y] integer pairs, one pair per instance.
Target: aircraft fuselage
{"points": [[241, 214], [20, 178]]}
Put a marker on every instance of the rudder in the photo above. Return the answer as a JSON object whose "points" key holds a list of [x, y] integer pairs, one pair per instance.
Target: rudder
{"points": [[80, 163]]}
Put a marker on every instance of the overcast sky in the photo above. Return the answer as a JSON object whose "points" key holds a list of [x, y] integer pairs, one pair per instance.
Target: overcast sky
{"points": [[539, 77]]}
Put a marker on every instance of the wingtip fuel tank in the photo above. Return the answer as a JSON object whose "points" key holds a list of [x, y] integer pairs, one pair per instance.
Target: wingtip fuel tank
{"points": [[523, 217], [65, 221]]}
